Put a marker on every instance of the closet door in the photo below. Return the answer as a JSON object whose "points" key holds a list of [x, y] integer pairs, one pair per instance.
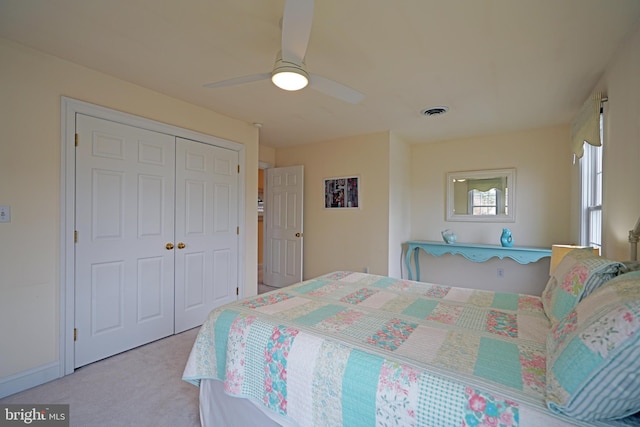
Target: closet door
{"points": [[206, 231], [125, 178]]}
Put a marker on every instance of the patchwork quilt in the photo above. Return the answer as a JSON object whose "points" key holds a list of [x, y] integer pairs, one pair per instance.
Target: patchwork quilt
{"points": [[355, 349]]}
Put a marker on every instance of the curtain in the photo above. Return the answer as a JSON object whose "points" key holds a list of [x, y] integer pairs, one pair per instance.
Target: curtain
{"points": [[586, 125]]}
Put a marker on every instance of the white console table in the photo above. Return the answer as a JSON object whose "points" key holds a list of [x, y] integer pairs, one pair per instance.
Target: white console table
{"points": [[472, 252]]}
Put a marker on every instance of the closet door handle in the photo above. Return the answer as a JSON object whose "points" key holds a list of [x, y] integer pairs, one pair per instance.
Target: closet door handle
{"points": [[169, 246], [181, 245]]}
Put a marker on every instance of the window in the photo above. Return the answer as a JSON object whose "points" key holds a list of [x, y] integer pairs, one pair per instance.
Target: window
{"points": [[481, 195], [488, 202], [483, 202], [591, 171]]}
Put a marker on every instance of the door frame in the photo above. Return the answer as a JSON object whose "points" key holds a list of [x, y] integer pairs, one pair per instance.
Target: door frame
{"points": [[69, 108], [264, 166]]}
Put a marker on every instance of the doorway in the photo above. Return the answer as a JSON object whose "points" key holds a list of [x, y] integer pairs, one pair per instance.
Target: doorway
{"points": [[283, 225], [280, 226], [261, 287]]}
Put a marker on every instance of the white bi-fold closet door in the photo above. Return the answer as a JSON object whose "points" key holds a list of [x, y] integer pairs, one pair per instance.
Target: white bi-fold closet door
{"points": [[157, 241]]}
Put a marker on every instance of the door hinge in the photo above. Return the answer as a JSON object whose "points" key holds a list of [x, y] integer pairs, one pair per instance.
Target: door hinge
{"points": [[237, 291], [75, 236], [75, 334], [238, 168], [76, 139], [238, 230]]}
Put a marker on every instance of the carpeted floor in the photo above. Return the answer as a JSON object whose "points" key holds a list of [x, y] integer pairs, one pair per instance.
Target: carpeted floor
{"points": [[141, 387]]}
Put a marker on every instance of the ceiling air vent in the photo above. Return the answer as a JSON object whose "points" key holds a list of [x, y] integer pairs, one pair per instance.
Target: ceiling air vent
{"points": [[434, 111]]}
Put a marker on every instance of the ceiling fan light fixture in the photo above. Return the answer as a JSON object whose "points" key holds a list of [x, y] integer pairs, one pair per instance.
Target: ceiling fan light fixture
{"points": [[289, 76]]}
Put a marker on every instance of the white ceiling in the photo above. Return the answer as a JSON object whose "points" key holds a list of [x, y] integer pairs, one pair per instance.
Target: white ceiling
{"points": [[500, 65]]}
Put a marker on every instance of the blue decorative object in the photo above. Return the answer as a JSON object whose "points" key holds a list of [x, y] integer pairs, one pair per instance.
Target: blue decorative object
{"points": [[449, 236], [506, 239]]}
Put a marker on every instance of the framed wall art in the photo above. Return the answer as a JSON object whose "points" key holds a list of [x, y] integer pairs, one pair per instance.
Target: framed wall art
{"points": [[342, 193]]}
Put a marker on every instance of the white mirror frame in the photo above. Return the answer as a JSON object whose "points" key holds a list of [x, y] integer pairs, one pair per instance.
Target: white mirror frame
{"points": [[509, 174]]}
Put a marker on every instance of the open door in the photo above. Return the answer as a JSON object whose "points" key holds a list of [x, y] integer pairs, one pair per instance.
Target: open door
{"points": [[283, 226]]}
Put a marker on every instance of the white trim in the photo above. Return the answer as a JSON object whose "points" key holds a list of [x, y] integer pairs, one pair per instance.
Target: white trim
{"points": [[67, 222], [583, 196], [69, 108], [241, 219], [587, 183], [509, 173], [30, 378], [265, 247]]}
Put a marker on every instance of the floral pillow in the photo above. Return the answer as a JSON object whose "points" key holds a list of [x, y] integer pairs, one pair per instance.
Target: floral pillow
{"points": [[593, 354], [578, 274]]}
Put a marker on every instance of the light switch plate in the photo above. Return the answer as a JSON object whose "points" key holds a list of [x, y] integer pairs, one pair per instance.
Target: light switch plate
{"points": [[5, 213]]}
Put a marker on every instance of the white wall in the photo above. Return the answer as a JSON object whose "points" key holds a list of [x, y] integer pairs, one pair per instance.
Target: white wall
{"points": [[31, 86]]}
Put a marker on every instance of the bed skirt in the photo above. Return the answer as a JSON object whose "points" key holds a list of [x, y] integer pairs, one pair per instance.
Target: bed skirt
{"points": [[217, 408]]}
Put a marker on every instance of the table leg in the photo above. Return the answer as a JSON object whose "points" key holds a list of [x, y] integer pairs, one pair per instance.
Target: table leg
{"points": [[407, 262]]}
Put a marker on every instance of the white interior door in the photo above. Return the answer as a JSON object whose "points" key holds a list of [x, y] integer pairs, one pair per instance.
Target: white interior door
{"points": [[284, 229], [124, 220], [206, 230]]}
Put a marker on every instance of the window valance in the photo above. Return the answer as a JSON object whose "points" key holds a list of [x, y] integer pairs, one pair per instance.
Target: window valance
{"points": [[499, 183], [586, 125]]}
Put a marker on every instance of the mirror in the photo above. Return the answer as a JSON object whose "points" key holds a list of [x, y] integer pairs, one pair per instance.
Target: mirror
{"points": [[481, 196]]}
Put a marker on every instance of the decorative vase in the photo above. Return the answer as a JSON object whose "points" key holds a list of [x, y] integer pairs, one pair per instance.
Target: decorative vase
{"points": [[449, 236], [506, 239]]}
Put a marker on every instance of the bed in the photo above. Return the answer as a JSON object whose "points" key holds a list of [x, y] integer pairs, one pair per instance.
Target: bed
{"points": [[356, 349]]}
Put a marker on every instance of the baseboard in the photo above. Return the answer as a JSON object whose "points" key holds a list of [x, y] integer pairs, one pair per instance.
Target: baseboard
{"points": [[28, 379]]}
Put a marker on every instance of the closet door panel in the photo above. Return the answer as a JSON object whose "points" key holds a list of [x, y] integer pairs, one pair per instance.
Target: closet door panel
{"points": [[206, 230], [124, 288]]}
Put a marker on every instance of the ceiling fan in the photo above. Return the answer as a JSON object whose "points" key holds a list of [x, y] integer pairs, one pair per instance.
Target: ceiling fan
{"points": [[289, 71]]}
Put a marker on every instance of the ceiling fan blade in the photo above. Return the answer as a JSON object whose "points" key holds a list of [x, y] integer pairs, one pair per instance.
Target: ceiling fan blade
{"points": [[296, 29], [239, 80], [335, 89]]}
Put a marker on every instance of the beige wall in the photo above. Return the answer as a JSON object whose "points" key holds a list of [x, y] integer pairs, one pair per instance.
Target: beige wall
{"points": [[267, 155], [399, 202], [547, 198], [344, 239], [407, 202], [31, 86], [542, 161], [621, 168], [621, 157]]}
